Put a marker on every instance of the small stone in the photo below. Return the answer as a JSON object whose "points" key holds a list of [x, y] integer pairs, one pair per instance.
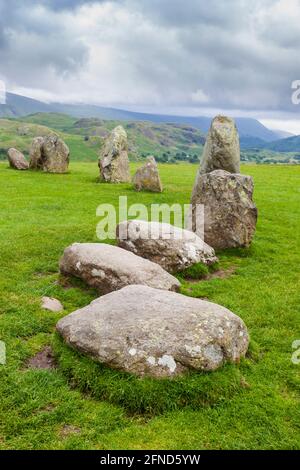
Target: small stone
{"points": [[17, 160], [54, 305], [147, 177]]}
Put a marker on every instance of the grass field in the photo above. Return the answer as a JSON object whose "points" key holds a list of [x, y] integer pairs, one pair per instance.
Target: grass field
{"points": [[78, 405]]}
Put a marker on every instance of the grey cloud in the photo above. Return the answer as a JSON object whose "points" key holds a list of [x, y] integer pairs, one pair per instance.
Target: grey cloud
{"points": [[236, 53], [34, 43]]}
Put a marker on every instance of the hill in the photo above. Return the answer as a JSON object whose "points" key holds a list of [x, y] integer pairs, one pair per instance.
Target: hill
{"points": [[290, 144], [85, 136], [168, 142], [19, 106]]}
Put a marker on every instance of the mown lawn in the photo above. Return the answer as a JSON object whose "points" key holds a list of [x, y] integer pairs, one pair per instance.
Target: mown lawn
{"points": [[253, 405]]}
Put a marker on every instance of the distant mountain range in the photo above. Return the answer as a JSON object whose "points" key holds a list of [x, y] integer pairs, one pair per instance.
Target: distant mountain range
{"points": [[253, 134]]}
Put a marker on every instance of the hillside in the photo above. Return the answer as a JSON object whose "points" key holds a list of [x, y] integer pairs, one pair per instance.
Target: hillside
{"points": [[290, 144], [85, 136], [20, 106], [168, 142]]}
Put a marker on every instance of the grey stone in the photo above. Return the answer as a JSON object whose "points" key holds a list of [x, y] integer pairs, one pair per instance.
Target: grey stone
{"points": [[35, 154], [173, 248], [113, 162], [147, 177], [49, 154], [17, 160], [222, 147], [54, 305], [149, 332], [230, 214], [108, 268]]}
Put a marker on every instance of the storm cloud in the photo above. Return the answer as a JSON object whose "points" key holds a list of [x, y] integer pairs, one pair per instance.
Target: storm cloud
{"points": [[233, 55]]}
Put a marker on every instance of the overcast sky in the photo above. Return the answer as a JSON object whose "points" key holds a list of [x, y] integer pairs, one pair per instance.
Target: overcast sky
{"points": [[186, 57]]}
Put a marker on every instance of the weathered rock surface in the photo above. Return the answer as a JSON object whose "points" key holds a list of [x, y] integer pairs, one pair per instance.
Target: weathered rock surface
{"points": [[35, 154], [230, 214], [113, 162], [49, 154], [147, 331], [51, 304], [222, 147], [147, 177], [173, 248], [108, 268], [17, 160]]}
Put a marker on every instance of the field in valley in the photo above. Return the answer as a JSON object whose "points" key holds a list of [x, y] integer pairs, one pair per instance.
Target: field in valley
{"points": [[79, 405]]}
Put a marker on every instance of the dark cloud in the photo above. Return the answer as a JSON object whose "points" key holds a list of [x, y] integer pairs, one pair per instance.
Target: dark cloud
{"points": [[233, 54]]}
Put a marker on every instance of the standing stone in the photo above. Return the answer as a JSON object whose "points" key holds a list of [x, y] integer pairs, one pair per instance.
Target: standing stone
{"points": [[149, 332], [55, 155], [49, 154], [17, 160], [108, 268], [147, 177], [173, 248], [230, 215], [222, 147], [35, 154], [113, 162]]}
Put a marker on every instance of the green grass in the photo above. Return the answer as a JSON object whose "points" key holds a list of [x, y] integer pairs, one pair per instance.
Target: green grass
{"points": [[81, 405]]}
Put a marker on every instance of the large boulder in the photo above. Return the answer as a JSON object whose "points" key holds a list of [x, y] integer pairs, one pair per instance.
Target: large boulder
{"points": [[230, 214], [222, 147], [113, 162], [146, 331], [147, 177], [171, 247], [17, 160], [108, 268], [49, 154]]}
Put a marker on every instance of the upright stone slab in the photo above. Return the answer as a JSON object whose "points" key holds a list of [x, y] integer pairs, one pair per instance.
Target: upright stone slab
{"points": [[230, 214], [222, 147], [55, 154], [150, 332], [35, 154], [17, 160], [49, 154], [147, 177], [113, 162]]}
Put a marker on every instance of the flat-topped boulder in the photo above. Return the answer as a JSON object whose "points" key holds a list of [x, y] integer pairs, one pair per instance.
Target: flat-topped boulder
{"points": [[17, 160], [230, 214], [147, 177], [173, 248], [150, 332], [222, 147], [113, 161], [108, 268], [49, 154]]}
